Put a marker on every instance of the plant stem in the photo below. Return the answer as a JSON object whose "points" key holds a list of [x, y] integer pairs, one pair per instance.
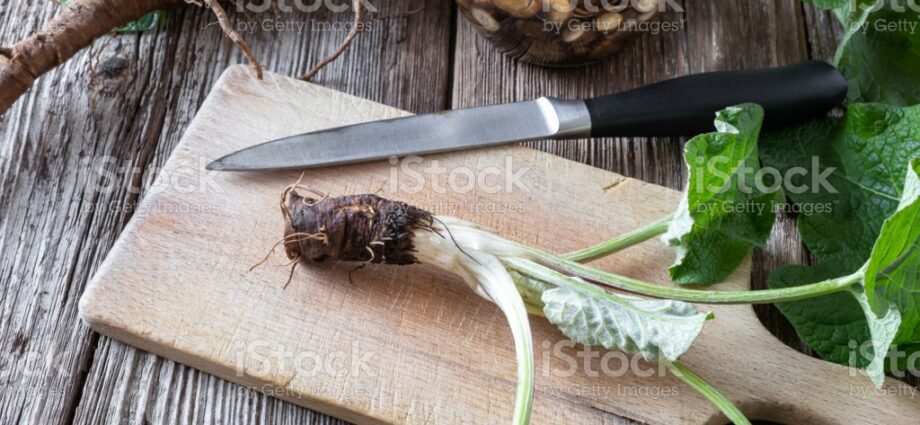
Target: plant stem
{"points": [[707, 390], [619, 243], [534, 262], [690, 295]]}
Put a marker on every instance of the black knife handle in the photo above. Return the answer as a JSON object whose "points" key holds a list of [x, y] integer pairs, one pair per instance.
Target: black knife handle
{"points": [[686, 106]]}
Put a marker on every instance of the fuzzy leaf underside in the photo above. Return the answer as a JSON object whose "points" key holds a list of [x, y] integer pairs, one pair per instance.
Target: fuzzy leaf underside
{"points": [[883, 322], [655, 329], [893, 270], [723, 212], [531, 290]]}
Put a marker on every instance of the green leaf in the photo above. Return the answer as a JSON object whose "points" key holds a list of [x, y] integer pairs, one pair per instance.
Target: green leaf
{"points": [[145, 23], [893, 270], [831, 325], [879, 52], [845, 176], [655, 329], [882, 60], [883, 320], [727, 209], [530, 289], [908, 359], [829, 4], [887, 299], [862, 157]]}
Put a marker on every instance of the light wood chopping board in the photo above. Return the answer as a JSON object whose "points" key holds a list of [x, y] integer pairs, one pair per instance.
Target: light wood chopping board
{"points": [[414, 344]]}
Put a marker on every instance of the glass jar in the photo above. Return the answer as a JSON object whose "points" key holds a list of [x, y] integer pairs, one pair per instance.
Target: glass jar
{"points": [[559, 32]]}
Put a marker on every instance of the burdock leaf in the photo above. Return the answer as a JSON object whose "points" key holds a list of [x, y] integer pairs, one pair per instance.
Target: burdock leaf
{"points": [[655, 329], [833, 325], [845, 176], [893, 270], [883, 320], [885, 304], [879, 52], [881, 59], [726, 209]]}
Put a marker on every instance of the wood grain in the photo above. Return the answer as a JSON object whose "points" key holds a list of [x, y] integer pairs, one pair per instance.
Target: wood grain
{"points": [[150, 88], [72, 133], [412, 344]]}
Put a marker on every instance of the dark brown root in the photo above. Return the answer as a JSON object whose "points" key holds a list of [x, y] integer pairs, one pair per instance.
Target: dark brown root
{"points": [[359, 228], [360, 13]]}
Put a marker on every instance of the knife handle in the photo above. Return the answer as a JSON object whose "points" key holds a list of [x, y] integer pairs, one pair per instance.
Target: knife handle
{"points": [[686, 106]]}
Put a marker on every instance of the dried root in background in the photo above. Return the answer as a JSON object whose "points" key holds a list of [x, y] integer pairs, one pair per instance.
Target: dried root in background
{"points": [[83, 21]]}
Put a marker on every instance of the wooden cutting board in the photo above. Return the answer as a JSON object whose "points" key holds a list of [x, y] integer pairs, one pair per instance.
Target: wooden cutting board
{"points": [[414, 344]]}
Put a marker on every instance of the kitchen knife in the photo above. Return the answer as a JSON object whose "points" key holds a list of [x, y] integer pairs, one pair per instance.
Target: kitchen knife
{"points": [[682, 106]]}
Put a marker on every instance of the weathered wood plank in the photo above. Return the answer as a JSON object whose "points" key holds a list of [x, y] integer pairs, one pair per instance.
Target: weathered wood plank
{"points": [[58, 215], [56, 144], [154, 82]]}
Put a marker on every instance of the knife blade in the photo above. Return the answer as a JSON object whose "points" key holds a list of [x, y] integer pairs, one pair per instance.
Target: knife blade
{"points": [[682, 106]]}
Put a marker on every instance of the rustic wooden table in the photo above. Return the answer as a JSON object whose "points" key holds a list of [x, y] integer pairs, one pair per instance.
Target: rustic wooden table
{"points": [[78, 150]]}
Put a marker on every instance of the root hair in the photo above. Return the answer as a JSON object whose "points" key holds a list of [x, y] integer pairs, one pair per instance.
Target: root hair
{"points": [[360, 12], [301, 235], [234, 36]]}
